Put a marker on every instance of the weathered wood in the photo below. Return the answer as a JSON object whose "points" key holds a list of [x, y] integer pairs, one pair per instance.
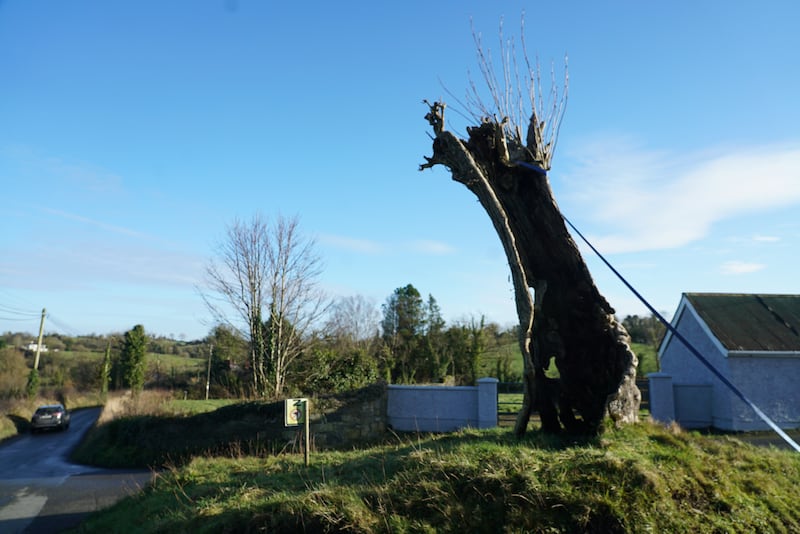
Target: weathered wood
{"points": [[566, 318]]}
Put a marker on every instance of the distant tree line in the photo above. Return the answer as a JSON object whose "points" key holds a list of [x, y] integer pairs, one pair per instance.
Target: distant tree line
{"points": [[94, 363], [647, 330], [405, 340], [277, 334]]}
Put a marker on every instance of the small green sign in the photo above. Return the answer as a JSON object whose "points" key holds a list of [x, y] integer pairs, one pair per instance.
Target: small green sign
{"points": [[295, 410]]}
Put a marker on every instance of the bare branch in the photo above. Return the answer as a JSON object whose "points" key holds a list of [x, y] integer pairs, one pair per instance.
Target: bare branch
{"points": [[517, 98], [564, 317], [267, 275]]}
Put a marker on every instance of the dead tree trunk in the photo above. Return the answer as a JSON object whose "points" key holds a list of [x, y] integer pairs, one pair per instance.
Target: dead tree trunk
{"points": [[562, 315]]}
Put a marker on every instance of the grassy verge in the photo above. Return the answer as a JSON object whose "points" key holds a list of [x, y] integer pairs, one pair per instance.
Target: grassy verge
{"points": [[641, 478], [194, 407], [154, 430]]}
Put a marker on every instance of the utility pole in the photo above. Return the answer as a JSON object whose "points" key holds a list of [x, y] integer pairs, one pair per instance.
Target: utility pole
{"points": [[106, 375], [39, 344], [208, 375]]}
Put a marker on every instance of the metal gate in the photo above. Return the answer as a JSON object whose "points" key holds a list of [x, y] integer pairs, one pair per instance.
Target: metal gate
{"points": [[509, 402]]}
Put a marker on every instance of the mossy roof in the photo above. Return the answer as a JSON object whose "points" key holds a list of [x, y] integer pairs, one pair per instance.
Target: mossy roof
{"points": [[751, 322]]}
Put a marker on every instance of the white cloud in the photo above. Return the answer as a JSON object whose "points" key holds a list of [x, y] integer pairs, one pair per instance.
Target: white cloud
{"points": [[426, 246], [93, 222], [51, 171], [55, 266], [766, 238], [740, 267], [364, 246], [637, 199]]}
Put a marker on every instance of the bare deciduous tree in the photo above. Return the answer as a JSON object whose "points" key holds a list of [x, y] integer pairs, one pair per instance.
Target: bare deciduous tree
{"points": [[267, 276], [353, 320], [563, 317]]}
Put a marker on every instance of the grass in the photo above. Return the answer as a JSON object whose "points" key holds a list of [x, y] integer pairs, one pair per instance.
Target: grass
{"points": [[194, 407], [168, 362], [640, 478], [508, 407], [505, 361], [80, 369], [648, 358], [156, 430], [165, 361]]}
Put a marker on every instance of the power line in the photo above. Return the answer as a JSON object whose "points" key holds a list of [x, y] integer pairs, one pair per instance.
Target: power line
{"points": [[16, 311], [62, 325], [20, 319], [15, 314], [14, 304], [764, 417]]}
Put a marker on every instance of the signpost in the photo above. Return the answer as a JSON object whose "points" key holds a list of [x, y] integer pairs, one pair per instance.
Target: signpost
{"points": [[296, 414]]}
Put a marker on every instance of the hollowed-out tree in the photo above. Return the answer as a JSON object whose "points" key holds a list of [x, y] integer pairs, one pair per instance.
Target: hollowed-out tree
{"points": [[564, 321]]}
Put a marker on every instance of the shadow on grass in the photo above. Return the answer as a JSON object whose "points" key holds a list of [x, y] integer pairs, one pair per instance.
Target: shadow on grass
{"points": [[22, 424], [564, 440], [534, 438]]}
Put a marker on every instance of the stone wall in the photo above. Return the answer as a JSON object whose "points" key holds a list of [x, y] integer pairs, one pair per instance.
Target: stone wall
{"points": [[366, 415], [348, 419]]}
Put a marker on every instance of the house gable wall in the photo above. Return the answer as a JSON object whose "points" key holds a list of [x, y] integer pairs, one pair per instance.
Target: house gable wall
{"points": [[677, 361], [769, 378]]}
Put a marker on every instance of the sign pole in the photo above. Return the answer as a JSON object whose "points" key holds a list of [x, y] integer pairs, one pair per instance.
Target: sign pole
{"points": [[296, 413], [306, 430]]}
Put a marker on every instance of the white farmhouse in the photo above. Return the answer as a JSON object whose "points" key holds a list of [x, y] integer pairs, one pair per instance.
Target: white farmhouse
{"points": [[752, 340]]}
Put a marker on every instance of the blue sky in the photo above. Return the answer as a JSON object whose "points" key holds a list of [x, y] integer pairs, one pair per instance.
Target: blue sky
{"points": [[133, 133]]}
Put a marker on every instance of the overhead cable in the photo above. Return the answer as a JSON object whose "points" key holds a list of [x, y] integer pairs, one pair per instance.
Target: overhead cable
{"points": [[764, 417]]}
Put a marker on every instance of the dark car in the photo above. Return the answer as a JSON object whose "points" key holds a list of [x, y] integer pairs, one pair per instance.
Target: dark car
{"points": [[50, 416]]}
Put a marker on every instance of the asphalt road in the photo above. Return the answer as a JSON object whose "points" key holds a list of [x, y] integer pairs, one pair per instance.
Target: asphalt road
{"points": [[42, 492]]}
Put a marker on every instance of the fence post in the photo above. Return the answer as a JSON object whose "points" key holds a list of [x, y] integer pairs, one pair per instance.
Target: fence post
{"points": [[487, 402]]}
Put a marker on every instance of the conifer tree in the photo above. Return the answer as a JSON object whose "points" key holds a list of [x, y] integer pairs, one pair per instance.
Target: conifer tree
{"points": [[133, 358]]}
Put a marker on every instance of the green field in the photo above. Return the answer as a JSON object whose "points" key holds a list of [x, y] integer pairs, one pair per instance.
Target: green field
{"points": [[193, 407], [505, 362]]}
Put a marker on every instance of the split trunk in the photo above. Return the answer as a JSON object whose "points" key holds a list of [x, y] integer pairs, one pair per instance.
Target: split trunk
{"points": [[564, 320]]}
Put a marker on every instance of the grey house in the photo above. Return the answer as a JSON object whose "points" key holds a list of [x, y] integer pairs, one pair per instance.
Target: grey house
{"points": [[752, 340]]}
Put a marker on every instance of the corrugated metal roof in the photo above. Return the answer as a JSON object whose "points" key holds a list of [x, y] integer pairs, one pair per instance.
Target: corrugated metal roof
{"points": [[751, 322]]}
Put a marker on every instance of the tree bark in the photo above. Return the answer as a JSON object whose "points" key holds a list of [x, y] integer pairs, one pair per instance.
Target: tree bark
{"points": [[566, 320]]}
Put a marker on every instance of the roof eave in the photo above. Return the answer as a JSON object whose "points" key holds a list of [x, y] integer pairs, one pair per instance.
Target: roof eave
{"points": [[764, 353]]}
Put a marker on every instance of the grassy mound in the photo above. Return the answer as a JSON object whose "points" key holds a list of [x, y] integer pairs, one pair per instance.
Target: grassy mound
{"points": [[641, 478], [154, 430], [158, 440]]}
